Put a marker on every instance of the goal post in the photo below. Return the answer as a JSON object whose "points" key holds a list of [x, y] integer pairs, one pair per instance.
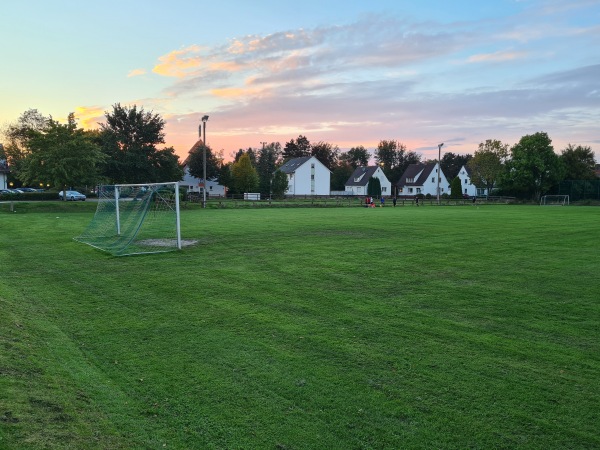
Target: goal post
{"points": [[554, 200], [135, 219]]}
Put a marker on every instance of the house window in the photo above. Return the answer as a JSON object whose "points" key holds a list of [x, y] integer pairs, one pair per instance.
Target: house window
{"points": [[418, 190], [433, 180], [210, 188], [400, 189], [312, 166], [410, 180], [384, 189], [410, 190], [312, 177]]}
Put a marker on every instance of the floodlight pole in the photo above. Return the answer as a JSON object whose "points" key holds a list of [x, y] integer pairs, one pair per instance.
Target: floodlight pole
{"points": [[203, 126], [439, 174]]}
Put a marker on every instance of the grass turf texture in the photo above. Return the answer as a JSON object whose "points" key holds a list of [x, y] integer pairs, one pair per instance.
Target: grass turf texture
{"points": [[452, 327]]}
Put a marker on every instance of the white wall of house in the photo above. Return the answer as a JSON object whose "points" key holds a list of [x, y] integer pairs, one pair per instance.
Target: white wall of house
{"points": [[213, 189], [468, 187], [429, 185], [467, 184], [3, 181], [311, 178]]}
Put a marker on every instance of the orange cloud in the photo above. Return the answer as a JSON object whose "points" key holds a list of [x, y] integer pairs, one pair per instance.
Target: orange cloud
{"points": [[227, 66], [233, 92], [89, 116], [177, 63], [136, 72]]}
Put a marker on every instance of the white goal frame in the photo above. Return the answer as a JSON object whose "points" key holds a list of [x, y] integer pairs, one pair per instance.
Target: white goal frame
{"points": [[135, 219], [177, 216], [554, 200]]}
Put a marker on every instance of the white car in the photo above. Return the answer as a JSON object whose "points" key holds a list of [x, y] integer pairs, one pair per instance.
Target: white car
{"points": [[72, 195]]}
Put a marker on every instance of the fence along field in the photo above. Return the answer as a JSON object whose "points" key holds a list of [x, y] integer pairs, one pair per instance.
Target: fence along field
{"points": [[446, 327]]}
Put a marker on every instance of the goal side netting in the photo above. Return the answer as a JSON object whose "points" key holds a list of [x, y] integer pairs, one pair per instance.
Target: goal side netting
{"points": [[554, 200], [135, 218]]}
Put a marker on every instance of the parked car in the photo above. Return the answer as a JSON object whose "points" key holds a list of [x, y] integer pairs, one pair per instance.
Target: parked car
{"points": [[72, 195], [6, 191], [26, 189]]}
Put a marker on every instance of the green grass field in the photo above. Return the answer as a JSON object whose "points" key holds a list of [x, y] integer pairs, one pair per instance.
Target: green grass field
{"points": [[341, 328]]}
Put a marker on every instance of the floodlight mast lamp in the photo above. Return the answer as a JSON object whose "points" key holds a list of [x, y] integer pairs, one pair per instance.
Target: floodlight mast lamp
{"points": [[200, 128], [439, 174]]}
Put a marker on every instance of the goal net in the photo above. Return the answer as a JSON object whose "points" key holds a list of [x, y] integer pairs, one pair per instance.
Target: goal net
{"points": [[554, 200], [135, 218]]}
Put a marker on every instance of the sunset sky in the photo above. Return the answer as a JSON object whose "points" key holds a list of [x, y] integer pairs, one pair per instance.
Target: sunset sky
{"points": [[345, 72]]}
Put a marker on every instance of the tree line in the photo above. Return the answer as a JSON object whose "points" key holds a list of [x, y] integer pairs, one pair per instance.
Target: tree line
{"points": [[125, 149]]}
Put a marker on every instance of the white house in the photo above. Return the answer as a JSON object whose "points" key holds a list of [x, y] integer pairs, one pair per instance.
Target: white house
{"points": [[3, 174], [467, 184], [422, 179], [196, 185], [307, 176], [358, 182]]}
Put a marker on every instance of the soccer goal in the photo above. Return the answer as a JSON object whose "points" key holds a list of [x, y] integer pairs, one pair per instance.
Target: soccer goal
{"points": [[554, 200], [135, 218]]}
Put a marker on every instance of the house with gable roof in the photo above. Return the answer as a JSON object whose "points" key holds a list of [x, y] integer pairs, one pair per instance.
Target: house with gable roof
{"points": [[467, 183], [307, 176], [359, 181], [422, 179], [196, 185]]}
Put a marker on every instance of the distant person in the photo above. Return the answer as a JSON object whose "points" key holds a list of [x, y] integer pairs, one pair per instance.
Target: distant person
{"points": [[474, 200], [367, 201], [382, 201], [394, 201], [416, 200]]}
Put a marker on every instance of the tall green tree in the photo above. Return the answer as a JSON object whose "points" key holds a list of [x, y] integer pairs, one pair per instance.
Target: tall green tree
{"points": [[394, 159], [578, 163], [296, 148], [266, 165], [195, 162], [487, 164], [341, 172], [456, 188], [62, 155], [452, 162], [280, 184], [18, 136], [356, 157], [374, 187], [326, 153], [245, 177], [534, 167], [129, 139]]}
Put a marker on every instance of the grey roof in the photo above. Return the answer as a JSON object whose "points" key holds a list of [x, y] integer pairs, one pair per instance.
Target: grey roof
{"points": [[366, 172], [412, 171], [293, 164]]}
